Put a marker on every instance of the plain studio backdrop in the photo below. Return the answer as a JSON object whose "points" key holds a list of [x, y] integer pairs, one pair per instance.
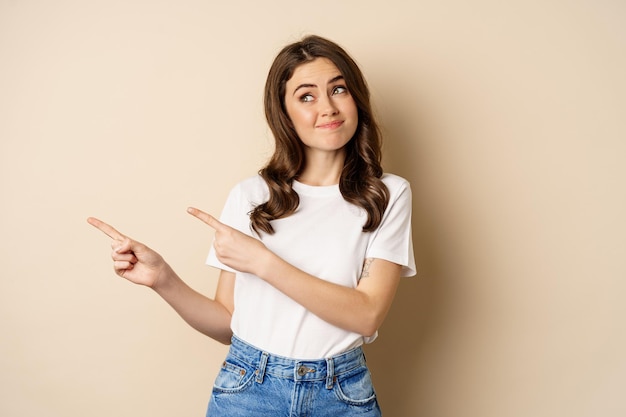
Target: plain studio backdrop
{"points": [[507, 117]]}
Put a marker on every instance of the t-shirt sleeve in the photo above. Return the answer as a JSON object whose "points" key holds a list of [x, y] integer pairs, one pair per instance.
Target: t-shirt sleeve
{"points": [[392, 240]]}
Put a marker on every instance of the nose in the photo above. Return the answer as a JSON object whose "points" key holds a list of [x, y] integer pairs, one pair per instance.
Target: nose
{"points": [[327, 106]]}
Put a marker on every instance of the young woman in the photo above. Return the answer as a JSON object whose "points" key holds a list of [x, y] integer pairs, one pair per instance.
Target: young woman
{"points": [[311, 250]]}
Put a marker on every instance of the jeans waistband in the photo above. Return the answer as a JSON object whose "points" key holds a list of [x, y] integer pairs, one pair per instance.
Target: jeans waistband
{"points": [[296, 369]]}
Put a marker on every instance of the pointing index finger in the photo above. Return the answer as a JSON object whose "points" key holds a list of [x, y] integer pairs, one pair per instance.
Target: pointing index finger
{"points": [[206, 218], [105, 228]]}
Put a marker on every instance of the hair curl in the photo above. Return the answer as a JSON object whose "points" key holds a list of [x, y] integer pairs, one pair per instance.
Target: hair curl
{"points": [[360, 182]]}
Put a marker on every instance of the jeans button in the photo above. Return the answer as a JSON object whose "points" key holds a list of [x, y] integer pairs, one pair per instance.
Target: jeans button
{"points": [[302, 370]]}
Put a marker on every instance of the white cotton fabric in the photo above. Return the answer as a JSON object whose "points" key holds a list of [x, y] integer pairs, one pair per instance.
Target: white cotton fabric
{"points": [[324, 238]]}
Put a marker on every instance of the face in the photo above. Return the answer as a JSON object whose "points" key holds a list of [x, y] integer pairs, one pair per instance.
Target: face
{"points": [[320, 106]]}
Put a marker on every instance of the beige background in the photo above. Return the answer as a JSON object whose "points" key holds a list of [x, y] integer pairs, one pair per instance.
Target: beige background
{"points": [[508, 118]]}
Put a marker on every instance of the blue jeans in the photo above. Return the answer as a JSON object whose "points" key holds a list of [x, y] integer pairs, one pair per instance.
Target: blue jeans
{"points": [[253, 383]]}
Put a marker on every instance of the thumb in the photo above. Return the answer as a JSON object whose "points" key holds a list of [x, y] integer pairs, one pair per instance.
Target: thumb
{"points": [[129, 245]]}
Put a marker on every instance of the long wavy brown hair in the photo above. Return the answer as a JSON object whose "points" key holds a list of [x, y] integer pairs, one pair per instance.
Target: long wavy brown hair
{"points": [[360, 182]]}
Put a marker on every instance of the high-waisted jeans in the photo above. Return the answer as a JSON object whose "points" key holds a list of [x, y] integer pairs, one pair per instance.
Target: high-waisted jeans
{"points": [[253, 383]]}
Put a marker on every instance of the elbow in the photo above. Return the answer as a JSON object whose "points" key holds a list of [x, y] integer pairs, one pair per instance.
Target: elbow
{"points": [[369, 332], [223, 336], [369, 326], [224, 339]]}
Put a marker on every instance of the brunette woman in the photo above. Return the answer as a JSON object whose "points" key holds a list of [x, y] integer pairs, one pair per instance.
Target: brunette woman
{"points": [[311, 250]]}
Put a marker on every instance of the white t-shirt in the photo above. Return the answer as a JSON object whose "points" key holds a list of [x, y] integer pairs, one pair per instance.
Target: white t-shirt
{"points": [[324, 238]]}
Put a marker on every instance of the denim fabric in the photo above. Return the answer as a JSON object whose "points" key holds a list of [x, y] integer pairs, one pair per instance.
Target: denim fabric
{"points": [[253, 383]]}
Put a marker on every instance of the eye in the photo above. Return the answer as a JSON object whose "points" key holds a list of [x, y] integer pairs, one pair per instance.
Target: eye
{"points": [[340, 89], [305, 98]]}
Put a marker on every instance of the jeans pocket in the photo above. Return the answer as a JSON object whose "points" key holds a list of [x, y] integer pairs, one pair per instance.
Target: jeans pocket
{"points": [[233, 377], [356, 388]]}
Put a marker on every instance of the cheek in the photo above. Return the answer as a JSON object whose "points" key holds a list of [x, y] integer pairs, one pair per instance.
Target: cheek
{"points": [[351, 109], [301, 118], [351, 112]]}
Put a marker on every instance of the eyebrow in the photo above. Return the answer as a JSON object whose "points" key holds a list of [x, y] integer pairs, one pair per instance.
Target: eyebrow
{"points": [[332, 80]]}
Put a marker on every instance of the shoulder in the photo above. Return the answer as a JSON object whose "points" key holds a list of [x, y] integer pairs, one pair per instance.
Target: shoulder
{"points": [[252, 183], [253, 189], [395, 184]]}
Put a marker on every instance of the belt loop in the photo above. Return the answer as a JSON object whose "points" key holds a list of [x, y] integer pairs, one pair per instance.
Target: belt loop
{"points": [[330, 372], [260, 372]]}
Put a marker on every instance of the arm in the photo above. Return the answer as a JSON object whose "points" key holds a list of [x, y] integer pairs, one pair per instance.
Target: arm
{"points": [[209, 317], [361, 309], [141, 265]]}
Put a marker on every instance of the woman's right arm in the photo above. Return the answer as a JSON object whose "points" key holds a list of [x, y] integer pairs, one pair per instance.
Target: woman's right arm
{"points": [[141, 265], [210, 317]]}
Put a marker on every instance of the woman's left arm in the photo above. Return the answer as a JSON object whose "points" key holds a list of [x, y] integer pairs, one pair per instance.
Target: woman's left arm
{"points": [[361, 309]]}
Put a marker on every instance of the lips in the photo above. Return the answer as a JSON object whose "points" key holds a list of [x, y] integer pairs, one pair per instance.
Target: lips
{"points": [[331, 125]]}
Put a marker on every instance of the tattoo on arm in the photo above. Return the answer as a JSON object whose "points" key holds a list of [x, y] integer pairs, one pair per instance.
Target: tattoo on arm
{"points": [[366, 267]]}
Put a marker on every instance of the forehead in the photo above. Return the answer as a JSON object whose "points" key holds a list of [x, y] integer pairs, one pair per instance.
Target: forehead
{"points": [[318, 70]]}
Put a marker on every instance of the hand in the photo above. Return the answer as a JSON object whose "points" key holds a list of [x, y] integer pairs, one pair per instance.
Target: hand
{"points": [[131, 259], [233, 248]]}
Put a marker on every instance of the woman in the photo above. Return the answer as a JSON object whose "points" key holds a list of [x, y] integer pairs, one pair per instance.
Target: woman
{"points": [[311, 250]]}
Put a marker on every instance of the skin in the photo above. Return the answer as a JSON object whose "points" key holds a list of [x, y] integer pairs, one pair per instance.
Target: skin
{"points": [[325, 118], [141, 265]]}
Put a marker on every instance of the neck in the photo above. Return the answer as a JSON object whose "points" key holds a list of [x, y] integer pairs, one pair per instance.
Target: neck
{"points": [[322, 168]]}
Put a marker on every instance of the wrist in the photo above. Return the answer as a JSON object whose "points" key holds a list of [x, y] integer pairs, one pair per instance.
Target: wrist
{"points": [[164, 280], [269, 264], [263, 264]]}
